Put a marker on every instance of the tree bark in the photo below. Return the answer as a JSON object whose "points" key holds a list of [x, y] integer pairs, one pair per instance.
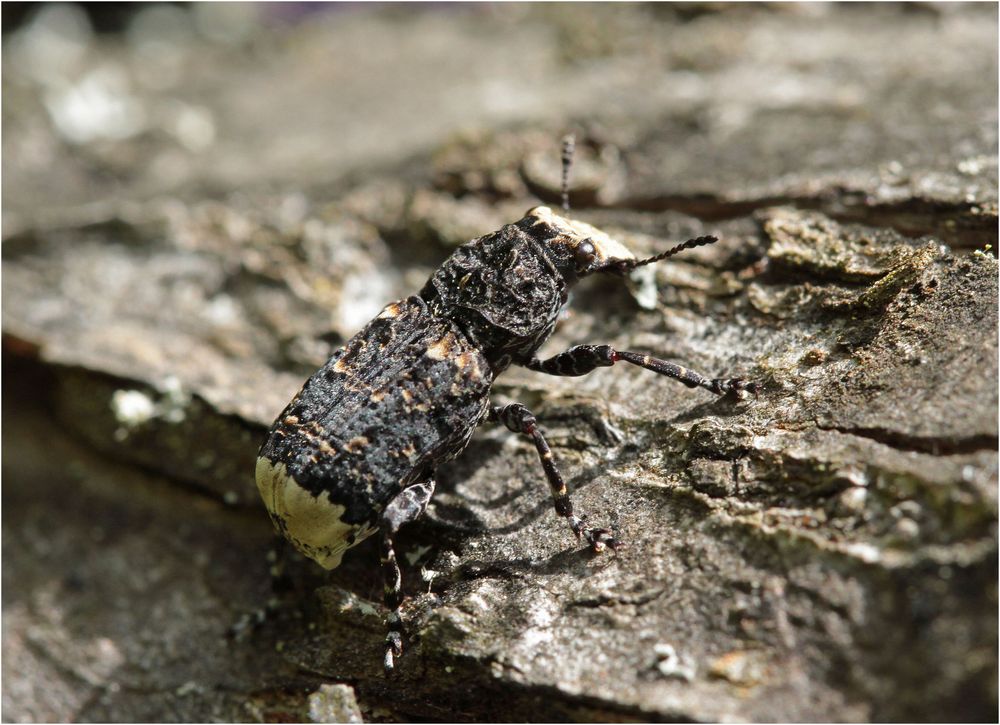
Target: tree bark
{"points": [[824, 550]]}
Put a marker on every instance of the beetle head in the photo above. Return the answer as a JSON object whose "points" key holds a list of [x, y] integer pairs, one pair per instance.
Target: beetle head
{"points": [[579, 249]]}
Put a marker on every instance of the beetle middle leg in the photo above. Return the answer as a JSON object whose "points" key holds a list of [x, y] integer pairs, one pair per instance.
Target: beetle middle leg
{"points": [[582, 359], [520, 420], [407, 506]]}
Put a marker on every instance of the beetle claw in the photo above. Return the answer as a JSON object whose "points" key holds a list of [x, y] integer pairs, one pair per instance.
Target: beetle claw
{"points": [[601, 539], [740, 386], [393, 651]]}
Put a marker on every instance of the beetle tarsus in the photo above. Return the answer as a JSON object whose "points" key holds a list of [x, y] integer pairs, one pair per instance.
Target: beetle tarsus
{"points": [[734, 387], [602, 539], [393, 651]]}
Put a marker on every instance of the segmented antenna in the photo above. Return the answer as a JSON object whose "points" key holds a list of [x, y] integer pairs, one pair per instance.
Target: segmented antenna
{"points": [[568, 146], [627, 265]]}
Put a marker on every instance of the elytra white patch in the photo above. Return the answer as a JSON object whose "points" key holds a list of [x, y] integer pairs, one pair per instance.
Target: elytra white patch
{"points": [[312, 523]]}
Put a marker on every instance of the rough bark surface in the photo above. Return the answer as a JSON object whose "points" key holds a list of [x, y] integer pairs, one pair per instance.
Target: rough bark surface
{"points": [[825, 551]]}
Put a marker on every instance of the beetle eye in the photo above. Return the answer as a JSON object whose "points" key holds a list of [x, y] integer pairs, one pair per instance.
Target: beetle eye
{"points": [[585, 255]]}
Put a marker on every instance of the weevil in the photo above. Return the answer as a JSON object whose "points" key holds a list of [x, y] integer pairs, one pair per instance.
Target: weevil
{"points": [[355, 452]]}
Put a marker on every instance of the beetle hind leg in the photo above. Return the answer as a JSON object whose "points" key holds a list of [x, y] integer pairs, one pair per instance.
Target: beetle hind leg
{"points": [[407, 506], [281, 583], [520, 420]]}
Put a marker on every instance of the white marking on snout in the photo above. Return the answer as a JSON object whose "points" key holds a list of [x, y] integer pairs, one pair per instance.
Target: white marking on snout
{"points": [[606, 248]]}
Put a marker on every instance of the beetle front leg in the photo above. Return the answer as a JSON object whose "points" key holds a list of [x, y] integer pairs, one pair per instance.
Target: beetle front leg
{"points": [[520, 420], [407, 506], [582, 359]]}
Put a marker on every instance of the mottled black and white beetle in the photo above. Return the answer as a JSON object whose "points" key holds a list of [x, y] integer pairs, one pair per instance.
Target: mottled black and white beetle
{"points": [[356, 450]]}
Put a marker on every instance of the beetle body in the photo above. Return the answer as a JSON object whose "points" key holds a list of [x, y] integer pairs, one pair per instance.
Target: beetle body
{"points": [[406, 393], [401, 396], [355, 451]]}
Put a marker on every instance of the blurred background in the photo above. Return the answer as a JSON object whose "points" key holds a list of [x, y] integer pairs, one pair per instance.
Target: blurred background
{"points": [[201, 201], [122, 101]]}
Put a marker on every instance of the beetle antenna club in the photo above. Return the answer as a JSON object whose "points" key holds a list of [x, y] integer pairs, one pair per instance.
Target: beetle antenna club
{"points": [[568, 146], [356, 451]]}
